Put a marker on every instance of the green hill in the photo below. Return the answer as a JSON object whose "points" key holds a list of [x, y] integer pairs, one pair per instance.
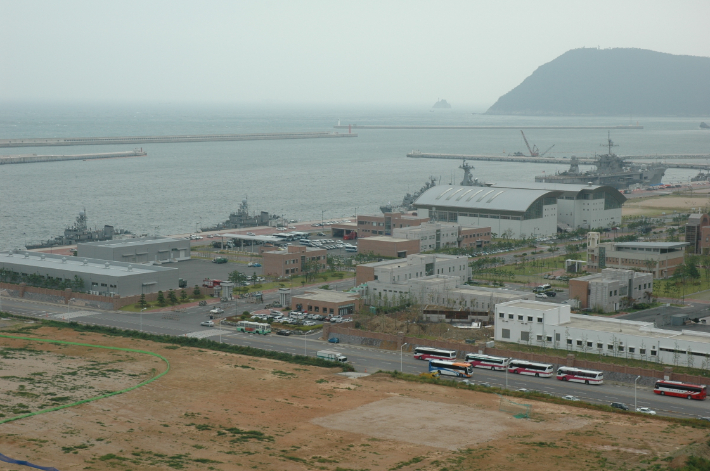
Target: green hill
{"points": [[608, 82]]}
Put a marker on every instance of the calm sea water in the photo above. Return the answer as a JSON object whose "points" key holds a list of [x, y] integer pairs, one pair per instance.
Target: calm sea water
{"points": [[181, 186]]}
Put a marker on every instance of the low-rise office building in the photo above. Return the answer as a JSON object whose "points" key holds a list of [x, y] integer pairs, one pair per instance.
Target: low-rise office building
{"points": [[293, 260], [414, 266], [140, 250], [659, 258], [439, 290], [612, 289], [553, 326], [385, 246], [436, 235], [326, 302], [101, 277], [697, 233], [368, 226]]}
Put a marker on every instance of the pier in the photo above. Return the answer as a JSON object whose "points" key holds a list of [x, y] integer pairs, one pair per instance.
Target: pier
{"points": [[392, 126], [551, 160], [92, 141], [34, 158]]}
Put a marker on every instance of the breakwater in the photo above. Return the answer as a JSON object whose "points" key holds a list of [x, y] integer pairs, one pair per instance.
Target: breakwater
{"points": [[549, 160], [394, 126], [92, 141], [34, 158]]}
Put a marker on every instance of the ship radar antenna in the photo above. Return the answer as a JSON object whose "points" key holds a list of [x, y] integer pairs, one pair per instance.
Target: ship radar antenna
{"points": [[609, 143]]}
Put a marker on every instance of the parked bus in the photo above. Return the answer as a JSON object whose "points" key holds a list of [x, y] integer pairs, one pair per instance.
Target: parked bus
{"points": [[451, 368], [676, 388], [253, 327], [521, 367], [487, 361], [425, 353], [565, 373]]}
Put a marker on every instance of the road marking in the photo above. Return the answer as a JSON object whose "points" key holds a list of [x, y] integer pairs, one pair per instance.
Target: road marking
{"points": [[201, 334], [72, 315]]}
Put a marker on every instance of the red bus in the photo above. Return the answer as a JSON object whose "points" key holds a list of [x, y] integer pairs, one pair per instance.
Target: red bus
{"points": [[542, 370], [487, 361], [565, 373], [426, 353], [676, 388]]}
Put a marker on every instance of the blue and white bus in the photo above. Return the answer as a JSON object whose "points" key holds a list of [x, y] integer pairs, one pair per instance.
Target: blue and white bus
{"points": [[451, 368]]}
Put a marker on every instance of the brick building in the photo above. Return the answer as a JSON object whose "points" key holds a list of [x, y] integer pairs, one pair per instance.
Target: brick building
{"points": [[324, 301], [697, 233], [659, 258], [607, 290], [368, 226], [386, 246], [436, 235], [291, 261]]}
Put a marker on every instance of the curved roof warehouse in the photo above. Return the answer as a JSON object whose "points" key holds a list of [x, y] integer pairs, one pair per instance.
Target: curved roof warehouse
{"points": [[530, 209]]}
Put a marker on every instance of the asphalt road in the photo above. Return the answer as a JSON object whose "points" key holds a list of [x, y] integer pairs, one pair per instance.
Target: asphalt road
{"points": [[364, 359]]}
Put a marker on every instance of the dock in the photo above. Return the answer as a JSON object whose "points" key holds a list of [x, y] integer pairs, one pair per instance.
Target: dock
{"points": [[393, 126], [550, 160], [34, 158], [92, 141]]}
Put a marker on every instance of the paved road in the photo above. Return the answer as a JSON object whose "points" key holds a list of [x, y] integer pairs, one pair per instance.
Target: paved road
{"points": [[364, 359]]}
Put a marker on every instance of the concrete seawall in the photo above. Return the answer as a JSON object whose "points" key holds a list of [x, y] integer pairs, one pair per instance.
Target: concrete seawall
{"points": [[392, 126], [92, 141], [34, 158]]}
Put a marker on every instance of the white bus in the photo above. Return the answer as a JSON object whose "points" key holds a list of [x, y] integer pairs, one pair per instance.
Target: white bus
{"points": [[253, 327], [565, 373], [486, 361], [425, 353], [451, 368], [522, 367]]}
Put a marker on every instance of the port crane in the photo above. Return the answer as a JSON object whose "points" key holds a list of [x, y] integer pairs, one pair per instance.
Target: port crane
{"points": [[534, 151]]}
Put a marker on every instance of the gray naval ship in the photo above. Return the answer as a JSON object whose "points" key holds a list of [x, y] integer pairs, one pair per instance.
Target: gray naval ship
{"points": [[611, 170], [80, 232], [242, 218]]}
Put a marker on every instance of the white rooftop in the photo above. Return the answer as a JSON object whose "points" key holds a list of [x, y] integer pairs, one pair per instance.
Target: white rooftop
{"points": [[123, 243], [94, 266]]}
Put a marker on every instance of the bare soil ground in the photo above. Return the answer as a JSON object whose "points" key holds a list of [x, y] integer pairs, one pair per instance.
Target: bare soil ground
{"points": [[657, 205], [217, 411]]}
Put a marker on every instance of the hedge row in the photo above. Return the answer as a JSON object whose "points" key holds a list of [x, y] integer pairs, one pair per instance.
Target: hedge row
{"points": [[200, 343], [542, 397]]}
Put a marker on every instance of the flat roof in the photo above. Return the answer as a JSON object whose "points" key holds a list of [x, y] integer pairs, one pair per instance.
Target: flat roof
{"points": [[537, 305], [124, 243], [327, 296], [265, 238], [386, 239], [94, 266], [474, 197], [652, 245]]}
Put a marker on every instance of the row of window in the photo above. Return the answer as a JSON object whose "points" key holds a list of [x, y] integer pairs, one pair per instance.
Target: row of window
{"points": [[520, 317], [318, 309]]}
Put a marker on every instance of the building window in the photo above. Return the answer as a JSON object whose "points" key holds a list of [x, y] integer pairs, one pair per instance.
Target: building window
{"points": [[621, 348], [642, 351], [501, 315], [600, 346], [317, 309], [530, 319], [589, 344], [510, 316], [632, 349], [610, 347], [569, 341], [579, 343], [549, 339], [539, 338], [505, 333], [557, 337], [524, 336], [520, 318], [653, 353], [539, 320]]}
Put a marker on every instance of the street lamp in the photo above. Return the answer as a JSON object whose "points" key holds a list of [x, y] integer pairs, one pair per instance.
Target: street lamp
{"points": [[506, 374], [321, 217], [637, 378], [142, 317], [400, 356], [305, 343]]}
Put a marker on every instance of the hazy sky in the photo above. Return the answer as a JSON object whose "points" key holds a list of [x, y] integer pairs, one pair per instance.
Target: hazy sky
{"points": [[278, 52]]}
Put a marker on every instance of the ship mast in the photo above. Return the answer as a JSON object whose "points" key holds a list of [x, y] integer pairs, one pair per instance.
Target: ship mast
{"points": [[609, 143]]}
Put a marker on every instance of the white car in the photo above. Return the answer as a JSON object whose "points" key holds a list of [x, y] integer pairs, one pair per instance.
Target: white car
{"points": [[309, 323], [250, 234], [570, 398], [541, 295], [217, 310], [645, 410], [207, 323]]}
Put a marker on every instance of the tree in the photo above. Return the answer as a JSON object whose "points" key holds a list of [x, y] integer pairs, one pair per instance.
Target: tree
{"points": [[196, 292], [183, 296], [142, 303], [171, 297], [161, 299]]}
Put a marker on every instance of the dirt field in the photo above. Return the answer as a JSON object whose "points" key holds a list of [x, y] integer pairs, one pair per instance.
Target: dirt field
{"points": [[216, 411], [655, 206]]}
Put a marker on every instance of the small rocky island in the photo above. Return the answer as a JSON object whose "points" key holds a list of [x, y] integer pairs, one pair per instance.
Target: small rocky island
{"points": [[441, 104]]}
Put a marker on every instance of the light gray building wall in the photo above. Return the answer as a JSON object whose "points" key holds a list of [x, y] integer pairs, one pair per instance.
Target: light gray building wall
{"points": [[100, 276], [141, 250], [553, 326]]}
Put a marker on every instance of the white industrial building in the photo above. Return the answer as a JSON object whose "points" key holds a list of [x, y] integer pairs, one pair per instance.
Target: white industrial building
{"points": [[512, 211], [439, 290], [553, 326], [524, 208], [413, 267], [579, 206], [139, 250], [611, 290], [100, 277]]}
